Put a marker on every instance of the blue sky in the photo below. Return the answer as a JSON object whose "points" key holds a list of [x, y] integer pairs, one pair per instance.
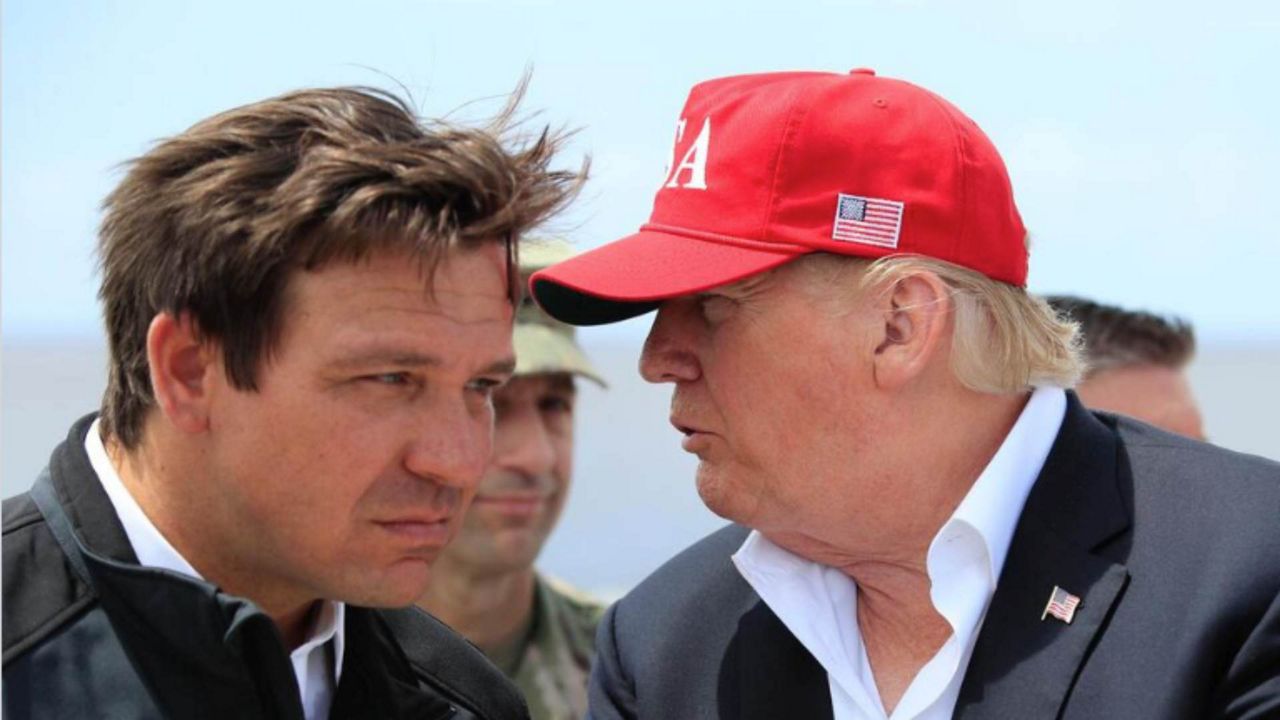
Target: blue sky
{"points": [[1141, 136]]}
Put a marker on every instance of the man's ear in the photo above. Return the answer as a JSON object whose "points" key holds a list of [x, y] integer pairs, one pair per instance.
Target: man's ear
{"points": [[182, 365], [916, 314]]}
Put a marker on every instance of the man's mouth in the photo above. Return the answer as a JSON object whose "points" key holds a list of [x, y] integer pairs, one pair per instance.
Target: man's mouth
{"points": [[514, 504], [426, 530], [684, 428], [695, 438]]}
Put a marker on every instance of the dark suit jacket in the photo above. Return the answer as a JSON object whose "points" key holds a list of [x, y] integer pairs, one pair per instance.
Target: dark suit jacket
{"points": [[89, 633], [1172, 545]]}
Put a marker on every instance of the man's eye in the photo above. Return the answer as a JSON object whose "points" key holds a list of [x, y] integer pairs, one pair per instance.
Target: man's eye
{"points": [[552, 404], [392, 378], [714, 307], [484, 386]]}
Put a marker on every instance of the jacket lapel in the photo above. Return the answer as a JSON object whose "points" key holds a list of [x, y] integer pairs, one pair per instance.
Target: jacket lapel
{"points": [[199, 653], [1023, 665], [444, 666], [768, 674], [85, 502], [378, 682]]}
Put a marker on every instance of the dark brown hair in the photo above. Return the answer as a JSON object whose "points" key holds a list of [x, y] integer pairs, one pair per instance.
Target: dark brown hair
{"points": [[213, 222], [1115, 337]]}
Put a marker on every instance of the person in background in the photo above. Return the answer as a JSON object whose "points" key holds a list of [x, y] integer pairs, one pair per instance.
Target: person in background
{"points": [[1137, 364], [308, 302], [537, 629], [926, 522]]}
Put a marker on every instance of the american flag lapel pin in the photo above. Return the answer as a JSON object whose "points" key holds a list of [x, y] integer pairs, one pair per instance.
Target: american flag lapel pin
{"points": [[1062, 605]]}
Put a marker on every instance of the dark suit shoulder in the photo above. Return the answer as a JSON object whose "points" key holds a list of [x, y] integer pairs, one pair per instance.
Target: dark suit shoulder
{"points": [[698, 569], [443, 658], [41, 592], [688, 605], [1226, 494], [1204, 520], [694, 640], [1146, 438], [711, 551]]}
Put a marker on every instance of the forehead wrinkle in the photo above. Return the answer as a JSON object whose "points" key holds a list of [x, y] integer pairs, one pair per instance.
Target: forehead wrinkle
{"points": [[440, 301], [747, 286], [419, 288], [480, 317]]}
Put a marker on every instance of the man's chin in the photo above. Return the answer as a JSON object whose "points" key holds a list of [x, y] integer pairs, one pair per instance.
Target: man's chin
{"points": [[719, 496], [398, 586], [515, 555]]}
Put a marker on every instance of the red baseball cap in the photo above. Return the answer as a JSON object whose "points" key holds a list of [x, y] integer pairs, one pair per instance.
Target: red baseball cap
{"points": [[770, 167]]}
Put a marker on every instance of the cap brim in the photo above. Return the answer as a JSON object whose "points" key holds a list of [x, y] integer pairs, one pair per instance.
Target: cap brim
{"points": [[541, 349], [632, 276]]}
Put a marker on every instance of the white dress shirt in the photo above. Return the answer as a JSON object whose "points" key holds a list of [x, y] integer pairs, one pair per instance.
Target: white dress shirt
{"points": [[819, 604], [317, 680]]}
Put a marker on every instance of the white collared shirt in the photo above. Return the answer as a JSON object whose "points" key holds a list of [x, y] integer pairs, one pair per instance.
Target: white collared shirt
{"points": [[316, 679], [819, 603]]}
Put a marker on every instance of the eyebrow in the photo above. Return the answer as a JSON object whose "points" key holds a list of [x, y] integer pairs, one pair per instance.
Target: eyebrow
{"points": [[505, 366], [378, 356], [733, 291], [400, 358], [563, 382]]}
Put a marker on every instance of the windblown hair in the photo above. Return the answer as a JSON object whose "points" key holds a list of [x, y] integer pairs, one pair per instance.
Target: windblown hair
{"points": [[1004, 339], [213, 223], [1115, 337]]}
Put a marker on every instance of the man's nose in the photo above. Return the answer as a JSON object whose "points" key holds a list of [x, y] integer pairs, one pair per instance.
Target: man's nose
{"points": [[669, 351], [451, 444], [523, 443]]}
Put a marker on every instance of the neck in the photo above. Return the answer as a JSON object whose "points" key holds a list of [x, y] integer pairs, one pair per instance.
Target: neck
{"points": [[956, 435], [160, 483], [489, 609], [949, 461], [900, 628], [951, 434], [894, 594], [917, 488]]}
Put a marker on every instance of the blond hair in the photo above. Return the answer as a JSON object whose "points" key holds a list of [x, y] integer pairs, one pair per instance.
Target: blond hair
{"points": [[1004, 339]]}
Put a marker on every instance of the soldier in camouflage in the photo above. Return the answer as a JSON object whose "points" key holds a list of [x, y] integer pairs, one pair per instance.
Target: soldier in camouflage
{"points": [[538, 630]]}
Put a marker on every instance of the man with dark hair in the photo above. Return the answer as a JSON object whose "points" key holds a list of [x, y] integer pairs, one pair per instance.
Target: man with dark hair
{"points": [[308, 302], [537, 629], [927, 522], [1137, 364]]}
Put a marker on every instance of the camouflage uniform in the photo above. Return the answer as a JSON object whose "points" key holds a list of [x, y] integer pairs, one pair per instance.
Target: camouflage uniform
{"points": [[552, 660], [551, 663]]}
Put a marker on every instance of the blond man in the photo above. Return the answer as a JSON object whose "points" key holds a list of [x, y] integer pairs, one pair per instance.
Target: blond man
{"points": [[927, 524]]}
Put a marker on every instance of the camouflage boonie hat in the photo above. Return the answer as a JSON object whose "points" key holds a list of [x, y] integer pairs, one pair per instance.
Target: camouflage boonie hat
{"points": [[544, 345]]}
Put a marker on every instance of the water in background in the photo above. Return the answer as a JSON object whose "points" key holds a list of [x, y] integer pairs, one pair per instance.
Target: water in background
{"points": [[633, 503]]}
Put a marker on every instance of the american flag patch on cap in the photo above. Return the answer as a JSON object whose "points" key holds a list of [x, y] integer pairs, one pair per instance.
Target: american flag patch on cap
{"points": [[1062, 605], [867, 220]]}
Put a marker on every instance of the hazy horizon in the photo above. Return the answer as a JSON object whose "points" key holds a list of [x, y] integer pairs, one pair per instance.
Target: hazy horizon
{"points": [[633, 484]]}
